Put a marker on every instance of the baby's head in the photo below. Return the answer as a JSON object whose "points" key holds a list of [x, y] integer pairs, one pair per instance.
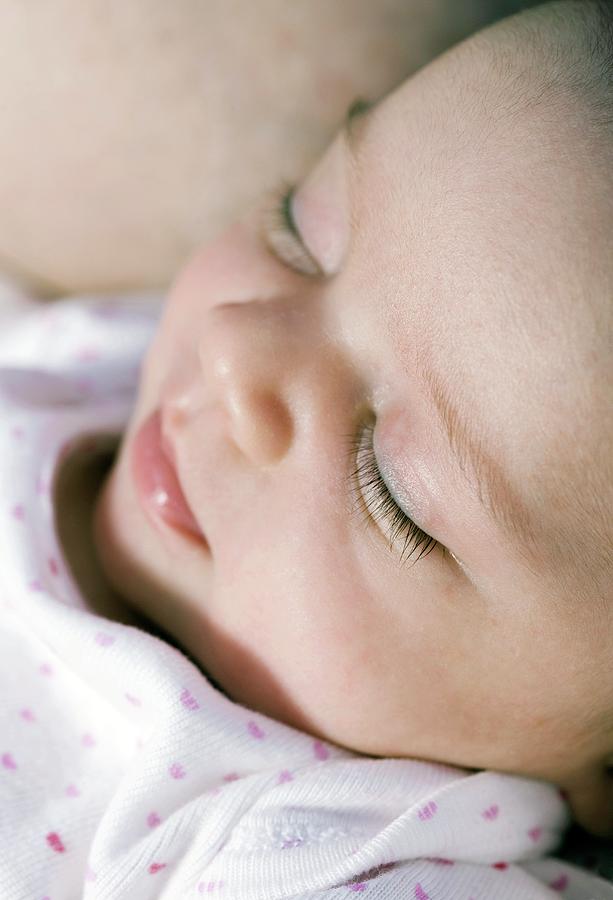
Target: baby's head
{"points": [[436, 311]]}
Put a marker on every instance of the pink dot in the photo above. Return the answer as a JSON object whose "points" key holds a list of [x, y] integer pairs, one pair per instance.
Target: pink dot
{"points": [[55, 842], [19, 511], [90, 875], [153, 820], [420, 894], [426, 812], [53, 566], [35, 585], [72, 791], [285, 775], [156, 867], [46, 669], [177, 771], [133, 700], [7, 761], [231, 776], [357, 886], [88, 740], [535, 833], [27, 714], [500, 865], [255, 730], [189, 701], [320, 750], [17, 432], [491, 812], [560, 884]]}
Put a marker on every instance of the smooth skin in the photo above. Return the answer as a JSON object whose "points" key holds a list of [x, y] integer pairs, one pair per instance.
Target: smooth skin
{"points": [[457, 243]]}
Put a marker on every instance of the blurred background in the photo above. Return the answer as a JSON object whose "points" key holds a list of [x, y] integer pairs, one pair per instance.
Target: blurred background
{"points": [[130, 133]]}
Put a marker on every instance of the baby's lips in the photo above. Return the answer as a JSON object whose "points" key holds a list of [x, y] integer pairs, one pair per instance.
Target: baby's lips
{"points": [[156, 477]]}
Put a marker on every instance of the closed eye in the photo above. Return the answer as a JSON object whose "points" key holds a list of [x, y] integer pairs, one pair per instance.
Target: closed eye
{"points": [[372, 491], [282, 236]]}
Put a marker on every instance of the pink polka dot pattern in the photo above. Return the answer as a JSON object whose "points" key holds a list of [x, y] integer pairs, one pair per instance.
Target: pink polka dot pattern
{"points": [[153, 820], [255, 731], [188, 701], [55, 842], [320, 750], [491, 813], [177, 771], [7, 761], [427, 811]]}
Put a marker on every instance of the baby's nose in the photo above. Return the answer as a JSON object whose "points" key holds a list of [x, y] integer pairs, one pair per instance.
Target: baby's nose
{"points": [[248, 354]]}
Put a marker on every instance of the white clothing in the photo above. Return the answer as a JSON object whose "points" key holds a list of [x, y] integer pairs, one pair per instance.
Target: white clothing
{"points": [[125, 775]]}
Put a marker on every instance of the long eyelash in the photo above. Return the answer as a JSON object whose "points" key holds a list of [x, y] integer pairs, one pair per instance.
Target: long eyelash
{"points": [[280, 232], [367, 475]]}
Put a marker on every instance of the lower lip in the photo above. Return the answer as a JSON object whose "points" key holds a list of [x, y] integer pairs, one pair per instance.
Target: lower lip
{"points": [[156, 481]]}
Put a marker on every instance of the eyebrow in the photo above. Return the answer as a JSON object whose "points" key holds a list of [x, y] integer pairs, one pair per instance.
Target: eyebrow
{"points": [[496, 492]]}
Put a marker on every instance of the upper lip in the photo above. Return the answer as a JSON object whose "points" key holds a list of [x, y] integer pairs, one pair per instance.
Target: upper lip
{"points": [[169, 451], [168, 447]]}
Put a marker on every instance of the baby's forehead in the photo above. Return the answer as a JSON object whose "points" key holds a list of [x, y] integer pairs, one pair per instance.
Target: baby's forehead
{"points": [[491, 253]]}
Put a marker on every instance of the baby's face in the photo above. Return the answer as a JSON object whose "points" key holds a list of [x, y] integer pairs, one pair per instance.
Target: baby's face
{"points": [[446, 347]]}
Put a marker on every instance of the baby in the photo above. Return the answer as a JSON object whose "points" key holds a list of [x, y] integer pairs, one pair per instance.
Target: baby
{"points": [[417, 349], [366, 482]]}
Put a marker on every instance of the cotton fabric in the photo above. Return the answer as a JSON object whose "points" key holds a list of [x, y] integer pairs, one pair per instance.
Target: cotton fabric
{"points": [[125, 774]]}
